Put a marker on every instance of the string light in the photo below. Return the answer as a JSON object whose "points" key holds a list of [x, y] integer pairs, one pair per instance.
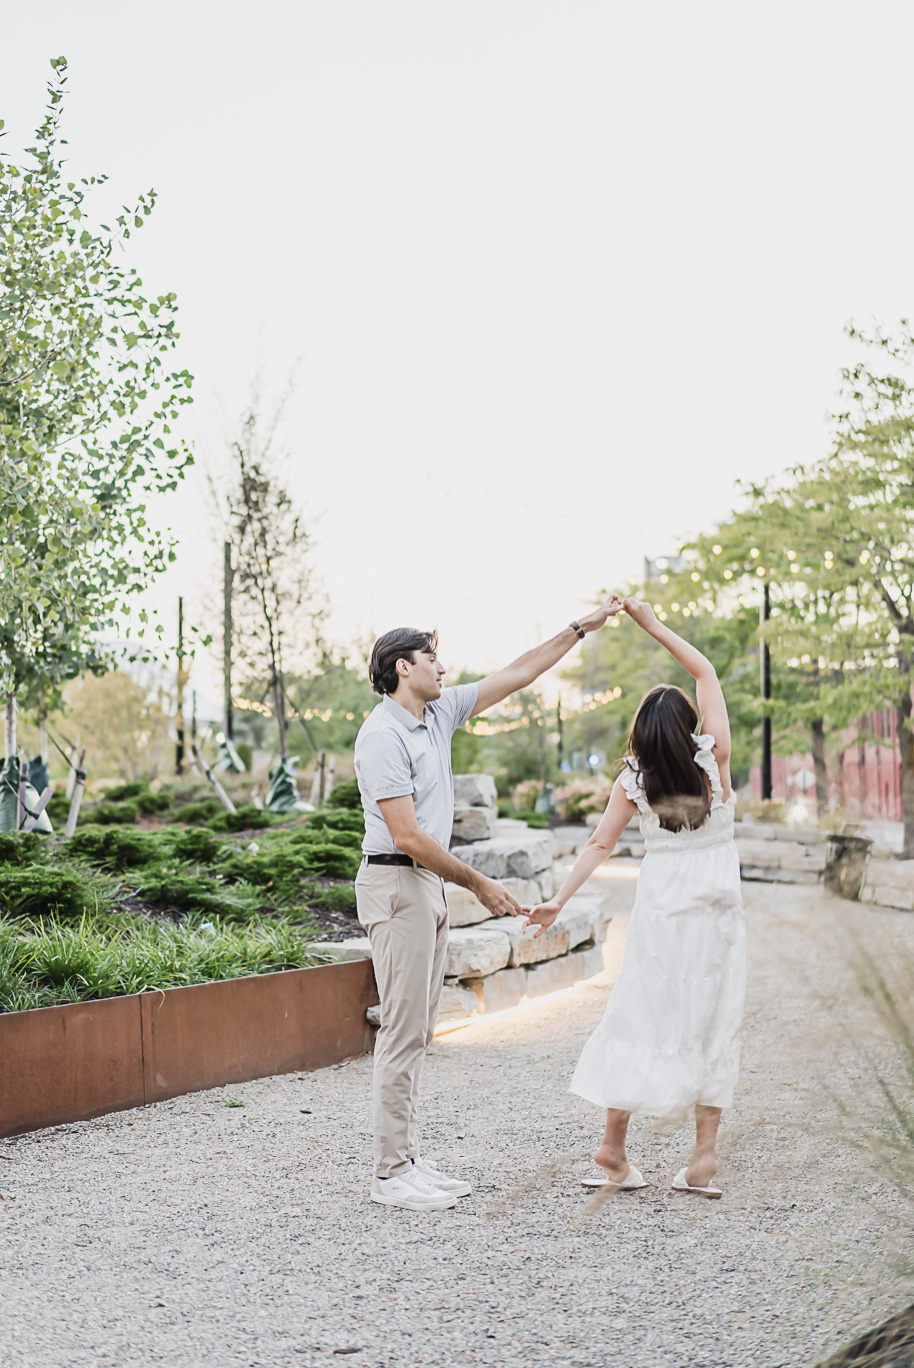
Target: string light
{"points": [[717, 550], [754, 552]]}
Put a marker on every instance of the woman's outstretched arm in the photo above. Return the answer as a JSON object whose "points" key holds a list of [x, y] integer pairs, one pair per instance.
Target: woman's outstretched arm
{"points": [[618, 814], [711, 702]]}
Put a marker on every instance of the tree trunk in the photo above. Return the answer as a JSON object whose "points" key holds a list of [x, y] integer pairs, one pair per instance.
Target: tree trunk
{"points": [[279, 703], [43, 729], [906, 746], [10, 747], [817, 736]]}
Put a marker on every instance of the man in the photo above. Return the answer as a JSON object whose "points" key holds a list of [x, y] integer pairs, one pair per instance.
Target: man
{"points": [[403, 765]]}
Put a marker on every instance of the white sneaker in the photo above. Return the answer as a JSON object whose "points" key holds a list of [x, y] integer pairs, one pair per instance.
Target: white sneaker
{"points": [[455, 1186], [412, 1191]]}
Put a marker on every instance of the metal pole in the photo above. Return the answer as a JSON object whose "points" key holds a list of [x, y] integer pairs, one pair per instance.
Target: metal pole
{"points": [[765, 663], [179, 743], [227, 577]]}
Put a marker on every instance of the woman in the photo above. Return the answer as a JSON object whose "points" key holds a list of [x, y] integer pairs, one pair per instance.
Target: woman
{"points": [[669, 1039]]}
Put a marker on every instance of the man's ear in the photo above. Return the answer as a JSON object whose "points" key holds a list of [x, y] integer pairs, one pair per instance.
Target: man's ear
{"points": [[402, 668]]}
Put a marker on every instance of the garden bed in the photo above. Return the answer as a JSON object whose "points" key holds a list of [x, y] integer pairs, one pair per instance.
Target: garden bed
{"points": [[119, 909], [61, 1064]]}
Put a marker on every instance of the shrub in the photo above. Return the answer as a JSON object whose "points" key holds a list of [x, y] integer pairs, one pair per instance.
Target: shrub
{"points": [[23, 848], [537, 821], [130, 849], [198, 814], [579, 796], [148, 803], [525, 795], [182, 892], [42, 892], [345, 795], [342, 820], [332, 861], [123, 791], [109, 814], [333, 897], [245, 819], [88, 842], [200, 846], [311, 836]]}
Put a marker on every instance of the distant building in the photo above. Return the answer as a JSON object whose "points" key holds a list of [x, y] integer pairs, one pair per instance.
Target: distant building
{"points": [[655, 569]]}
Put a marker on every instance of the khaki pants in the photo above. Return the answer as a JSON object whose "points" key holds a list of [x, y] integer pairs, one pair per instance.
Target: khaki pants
{"points": [[405, 914]]}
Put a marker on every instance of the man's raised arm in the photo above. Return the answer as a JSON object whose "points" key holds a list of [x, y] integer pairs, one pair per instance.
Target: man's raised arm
{"points": [[522, 671]]}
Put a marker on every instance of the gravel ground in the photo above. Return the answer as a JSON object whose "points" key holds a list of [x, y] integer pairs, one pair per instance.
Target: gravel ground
{"points": [[196, 1233]]}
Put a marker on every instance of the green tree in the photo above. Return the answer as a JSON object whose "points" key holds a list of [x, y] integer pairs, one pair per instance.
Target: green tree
{"points": [[87, 404], [277, 605], [618, 666], [835, 541]]}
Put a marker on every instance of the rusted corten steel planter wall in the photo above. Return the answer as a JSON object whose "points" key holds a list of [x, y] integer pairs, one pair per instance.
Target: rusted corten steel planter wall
{"points": [[71, 1063]]}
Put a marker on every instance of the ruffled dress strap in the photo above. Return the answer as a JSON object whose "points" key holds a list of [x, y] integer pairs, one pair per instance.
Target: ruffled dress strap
{"points": [[633, 784], [704, 759]]}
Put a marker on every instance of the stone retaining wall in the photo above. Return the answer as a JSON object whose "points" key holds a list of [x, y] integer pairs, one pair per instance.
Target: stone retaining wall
{"points": [[492, 962], [889, 883]]}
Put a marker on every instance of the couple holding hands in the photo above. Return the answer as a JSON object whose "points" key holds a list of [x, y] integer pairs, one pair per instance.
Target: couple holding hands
{"points": [[668, 1043]]}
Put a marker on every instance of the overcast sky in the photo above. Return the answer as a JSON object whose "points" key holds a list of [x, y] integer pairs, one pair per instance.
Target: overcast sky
{"points": [[556, 274]]}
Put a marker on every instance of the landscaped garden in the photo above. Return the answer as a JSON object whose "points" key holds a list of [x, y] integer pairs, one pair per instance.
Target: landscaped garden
{"points": [[193, 894]]}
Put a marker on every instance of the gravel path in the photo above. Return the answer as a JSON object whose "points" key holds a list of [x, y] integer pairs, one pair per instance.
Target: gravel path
{"points": [[195, 1233]]}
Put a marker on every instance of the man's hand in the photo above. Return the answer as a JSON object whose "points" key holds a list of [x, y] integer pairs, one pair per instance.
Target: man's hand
{"points": [[494, 898], [592, 621], [542, 916]]}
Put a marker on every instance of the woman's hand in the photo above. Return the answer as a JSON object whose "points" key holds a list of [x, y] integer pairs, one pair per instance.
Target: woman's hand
{"points": [[542, 916], [640, 612], [591, 622]]}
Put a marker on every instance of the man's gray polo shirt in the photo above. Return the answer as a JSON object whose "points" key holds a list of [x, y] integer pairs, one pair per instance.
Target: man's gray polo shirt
{"points": [[396, 754]]}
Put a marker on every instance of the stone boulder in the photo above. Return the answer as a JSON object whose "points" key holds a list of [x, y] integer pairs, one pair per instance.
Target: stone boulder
{"points": [[474, 953], [499, 991], [356, 948], [526, 948], [473, 823], [505, 857], [553, 975], [475, 790]]}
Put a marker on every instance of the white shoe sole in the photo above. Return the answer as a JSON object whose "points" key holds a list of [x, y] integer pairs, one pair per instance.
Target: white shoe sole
{"points": [[444, 1204], [679, 1184]]}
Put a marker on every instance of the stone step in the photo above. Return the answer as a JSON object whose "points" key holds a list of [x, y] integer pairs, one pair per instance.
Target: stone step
{"points": [[518, 856]]}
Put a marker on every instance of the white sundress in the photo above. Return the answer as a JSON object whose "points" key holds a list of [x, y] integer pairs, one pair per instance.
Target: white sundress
{"points": [[669, 1037]]}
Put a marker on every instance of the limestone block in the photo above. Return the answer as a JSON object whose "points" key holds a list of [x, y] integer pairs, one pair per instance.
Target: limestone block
{"points": [[528, 892], [499, 991], [868, 893], [768, 874], [754, 831], [519, 857], [510, 826], [356, 948], [475, 790], [456, 1002], [555, 974], [758, 853], [373, 1015], [583, 917], [808, 859], [473, 823], [473, 952], [900, 898], [463, 907], [890, 873], [526, 948]]}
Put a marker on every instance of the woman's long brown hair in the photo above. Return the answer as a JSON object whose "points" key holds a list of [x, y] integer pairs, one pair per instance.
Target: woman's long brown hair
{"points": [[661, 742]]}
